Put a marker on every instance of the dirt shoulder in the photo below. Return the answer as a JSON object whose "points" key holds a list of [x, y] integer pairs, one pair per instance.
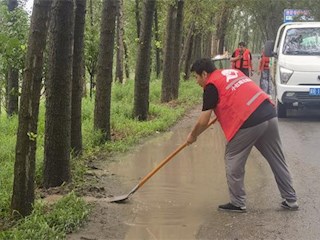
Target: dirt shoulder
{"points": [[107, 220]]}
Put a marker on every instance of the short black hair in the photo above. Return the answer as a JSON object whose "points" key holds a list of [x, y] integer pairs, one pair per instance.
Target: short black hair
{"points": [[203, 64], [243, 44]]}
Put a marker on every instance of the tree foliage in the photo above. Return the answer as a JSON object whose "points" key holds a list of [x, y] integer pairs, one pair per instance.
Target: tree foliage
{"points": [[13, 36], [91, 39]]}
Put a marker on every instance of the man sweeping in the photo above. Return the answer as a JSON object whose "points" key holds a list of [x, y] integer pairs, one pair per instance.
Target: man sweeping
{"points": [[248, 118]]}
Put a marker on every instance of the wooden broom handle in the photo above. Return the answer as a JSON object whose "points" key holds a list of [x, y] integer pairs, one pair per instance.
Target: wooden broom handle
{"points": [[167, 159]]}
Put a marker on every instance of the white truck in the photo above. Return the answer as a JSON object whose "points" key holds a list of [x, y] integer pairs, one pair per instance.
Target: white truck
{"points": [[296, 66]]}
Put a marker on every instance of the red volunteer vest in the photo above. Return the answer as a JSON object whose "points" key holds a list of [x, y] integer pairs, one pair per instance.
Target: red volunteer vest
{"points": [[264, 63], [246, 59], [239, 97]]}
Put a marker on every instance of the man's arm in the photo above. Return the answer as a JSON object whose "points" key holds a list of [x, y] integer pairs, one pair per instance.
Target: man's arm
{"points": [[200, 126], [234, 57]]}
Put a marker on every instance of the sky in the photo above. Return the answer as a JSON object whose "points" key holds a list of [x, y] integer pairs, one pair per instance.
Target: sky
{"points": [[29, 5]]}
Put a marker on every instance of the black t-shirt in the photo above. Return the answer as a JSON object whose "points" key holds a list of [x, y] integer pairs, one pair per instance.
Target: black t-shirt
{"points": [[263, 113]]}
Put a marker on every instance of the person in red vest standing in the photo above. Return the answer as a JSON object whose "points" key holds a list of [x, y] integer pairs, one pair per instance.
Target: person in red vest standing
{"points": [[242, 59], [264, 72], [248, 118]]}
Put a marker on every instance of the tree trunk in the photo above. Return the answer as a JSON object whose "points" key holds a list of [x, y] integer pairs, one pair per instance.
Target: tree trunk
{"points": [[137, 12], [77, 77], [207, 45], [142, 77], [176, 51], [126, 57], [12, 91], [214, 44], [24, 168], [221, 44], [186, 45], [157, 39], [188, 58], [104, 71], [120, 45], [222, 19], [197, 47], [92, 84], [91, 68], [58, 95], [166, 86]]}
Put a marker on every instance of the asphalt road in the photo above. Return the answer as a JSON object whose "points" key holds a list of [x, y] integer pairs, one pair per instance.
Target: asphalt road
{"points": [[180, 201]]}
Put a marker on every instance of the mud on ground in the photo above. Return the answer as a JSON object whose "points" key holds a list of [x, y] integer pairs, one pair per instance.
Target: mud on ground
{"points": [[106, 220]]}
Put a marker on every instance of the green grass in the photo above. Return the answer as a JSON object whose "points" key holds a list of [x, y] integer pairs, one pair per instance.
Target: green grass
{"points": [[8, 128], [50, 222], [53, 222]]}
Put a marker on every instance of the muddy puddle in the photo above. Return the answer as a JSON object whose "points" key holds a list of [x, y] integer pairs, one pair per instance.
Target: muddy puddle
{"points": [[180, 196]]}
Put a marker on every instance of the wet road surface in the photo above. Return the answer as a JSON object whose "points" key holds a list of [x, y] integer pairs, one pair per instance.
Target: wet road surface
{"points": [[173, 202], [180, 201]]}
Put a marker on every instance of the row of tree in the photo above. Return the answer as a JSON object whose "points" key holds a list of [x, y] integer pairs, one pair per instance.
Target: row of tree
{"points": [[64, 21], [69, 38]]}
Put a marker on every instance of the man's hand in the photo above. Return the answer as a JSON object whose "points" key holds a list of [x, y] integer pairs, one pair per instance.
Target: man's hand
{"points": [[191, 139], [201, 125]]}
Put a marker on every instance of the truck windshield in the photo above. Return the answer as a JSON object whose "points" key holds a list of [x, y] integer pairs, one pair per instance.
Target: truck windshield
{"points": [[302, 41]]}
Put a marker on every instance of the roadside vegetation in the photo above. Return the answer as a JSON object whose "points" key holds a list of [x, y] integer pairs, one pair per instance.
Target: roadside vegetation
{"points": [[54, 221]]}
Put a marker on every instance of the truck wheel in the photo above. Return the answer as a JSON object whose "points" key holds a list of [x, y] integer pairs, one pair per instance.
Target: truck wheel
{"points": [[282, 110]]}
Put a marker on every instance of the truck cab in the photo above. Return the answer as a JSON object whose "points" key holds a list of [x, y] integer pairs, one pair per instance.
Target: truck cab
{"points": [[296, 66]]}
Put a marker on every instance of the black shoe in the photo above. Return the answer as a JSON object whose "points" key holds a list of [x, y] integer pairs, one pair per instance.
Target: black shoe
{"points": [[293, 206], [232, 208]]}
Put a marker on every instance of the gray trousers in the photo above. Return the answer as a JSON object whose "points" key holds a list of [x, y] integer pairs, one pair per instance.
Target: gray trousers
{"points": [[265, 137], [265, 81]]}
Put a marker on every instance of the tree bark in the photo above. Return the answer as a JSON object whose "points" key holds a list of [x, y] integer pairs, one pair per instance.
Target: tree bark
{"points": [[166, 86], [24, 168], [142, 77], [176, 51], [137, 12], [157, 39], [12, 91], [77, 77], [186, 45], [126, 57], [104, 72], [222, 19], [207, 45], [120, 45], [91, 67], [58, 95], [197, 47], [188, 58]]}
